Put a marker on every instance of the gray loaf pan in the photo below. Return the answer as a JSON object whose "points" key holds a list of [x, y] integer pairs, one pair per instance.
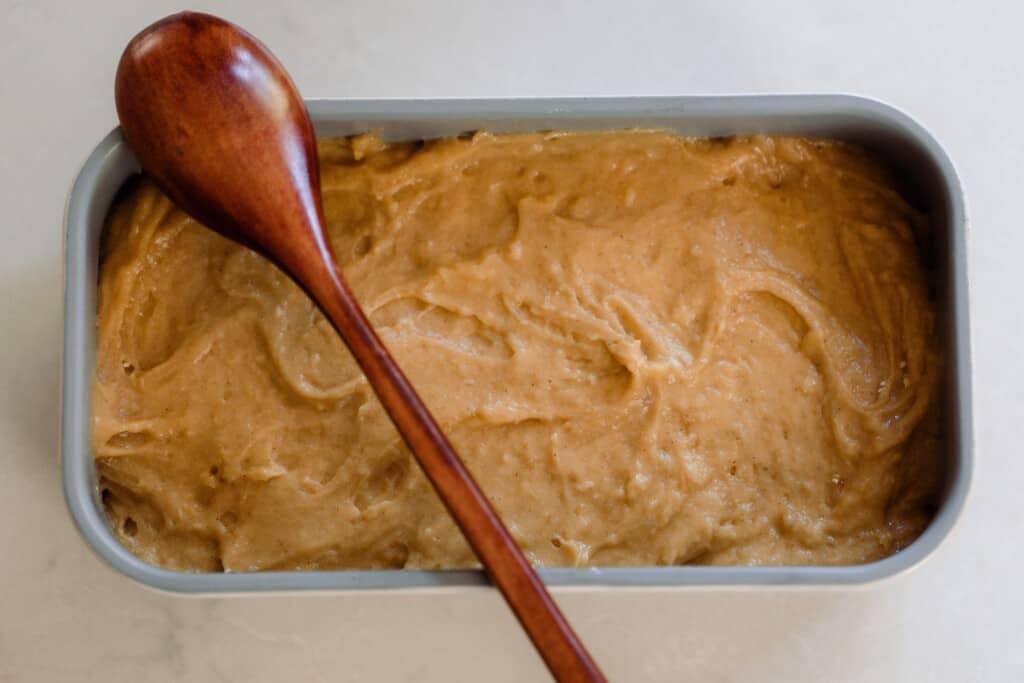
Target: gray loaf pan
{"points": [[920, 162]]}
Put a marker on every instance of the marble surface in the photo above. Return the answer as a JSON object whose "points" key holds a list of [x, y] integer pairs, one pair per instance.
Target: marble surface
{"points": [[955, 66]]}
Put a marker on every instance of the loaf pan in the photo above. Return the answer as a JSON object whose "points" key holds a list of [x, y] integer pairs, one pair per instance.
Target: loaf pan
{"points": [[920, 162]]}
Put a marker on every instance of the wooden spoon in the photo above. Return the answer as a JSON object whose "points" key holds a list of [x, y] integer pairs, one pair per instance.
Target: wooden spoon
{"points": [[214, 118]]}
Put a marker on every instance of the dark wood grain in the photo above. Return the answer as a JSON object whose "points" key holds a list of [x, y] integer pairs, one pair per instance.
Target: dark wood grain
{"points": [[214, 118]]}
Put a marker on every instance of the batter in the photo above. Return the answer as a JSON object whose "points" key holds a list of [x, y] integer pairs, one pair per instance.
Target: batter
{"points": [[648, 349]]}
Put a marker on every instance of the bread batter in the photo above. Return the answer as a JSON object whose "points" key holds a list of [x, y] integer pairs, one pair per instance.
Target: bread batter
{"points": [[648, 349]]}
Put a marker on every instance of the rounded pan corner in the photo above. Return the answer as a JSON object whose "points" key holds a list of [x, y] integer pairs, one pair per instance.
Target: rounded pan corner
{"points": [[910, 127]]}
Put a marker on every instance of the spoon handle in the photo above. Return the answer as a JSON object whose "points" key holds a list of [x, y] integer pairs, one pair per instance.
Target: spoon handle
{"points": [[555, 640]]}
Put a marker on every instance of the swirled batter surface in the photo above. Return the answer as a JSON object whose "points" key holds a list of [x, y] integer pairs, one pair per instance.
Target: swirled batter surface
{"points": [[649, 350]]}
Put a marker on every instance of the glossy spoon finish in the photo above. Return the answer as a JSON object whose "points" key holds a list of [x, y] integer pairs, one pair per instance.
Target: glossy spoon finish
{"points": [[214, 118]]}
